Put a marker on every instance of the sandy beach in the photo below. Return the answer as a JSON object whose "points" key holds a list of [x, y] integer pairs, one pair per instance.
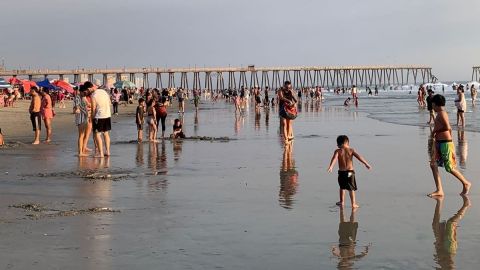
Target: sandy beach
{"points": [[246, 203]]}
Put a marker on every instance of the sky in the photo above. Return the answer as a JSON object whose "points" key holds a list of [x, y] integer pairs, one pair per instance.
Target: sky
{"points": [[442, 34]]}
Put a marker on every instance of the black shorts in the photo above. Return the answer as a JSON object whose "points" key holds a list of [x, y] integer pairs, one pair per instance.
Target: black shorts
{"points": [[102, 125], [461, 111], [36, 119], [346, 180]]}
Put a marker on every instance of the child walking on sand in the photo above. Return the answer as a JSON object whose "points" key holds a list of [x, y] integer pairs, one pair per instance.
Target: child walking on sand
{"points": [[444, 150], [346, 175]]}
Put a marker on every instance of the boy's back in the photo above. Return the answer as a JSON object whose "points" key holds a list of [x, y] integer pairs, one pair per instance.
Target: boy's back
{"points": [[442, 127], [345, 158]]}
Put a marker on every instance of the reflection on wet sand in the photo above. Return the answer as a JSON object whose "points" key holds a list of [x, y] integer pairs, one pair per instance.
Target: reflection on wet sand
{"points": [[177, 149], [445, 233], [347, 233], [239, 121], [88, 163], [195, 124], [152, 156], [139, 156], [257, 118], [288, 178], [95, 240], [462, 148], [267, 117]]}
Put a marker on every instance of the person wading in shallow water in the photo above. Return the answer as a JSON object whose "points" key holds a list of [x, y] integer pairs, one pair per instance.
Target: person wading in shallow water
{"points": [[286, 99], [101, 118]]}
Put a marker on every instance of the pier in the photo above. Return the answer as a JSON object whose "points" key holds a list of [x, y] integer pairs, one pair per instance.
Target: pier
{"points": [[250, 76], [475, 73]]}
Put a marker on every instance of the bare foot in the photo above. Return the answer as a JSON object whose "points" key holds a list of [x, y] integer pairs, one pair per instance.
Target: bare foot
{"points": [[98, 156], [355, 206], [47, 141], [82, 155], [339, 203], [435, 194], [88, 150], [107, 154], [36, 142], [466, 188]]}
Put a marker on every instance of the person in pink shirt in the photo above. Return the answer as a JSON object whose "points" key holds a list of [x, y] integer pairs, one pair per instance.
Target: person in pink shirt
{"points": [[47, 113]]}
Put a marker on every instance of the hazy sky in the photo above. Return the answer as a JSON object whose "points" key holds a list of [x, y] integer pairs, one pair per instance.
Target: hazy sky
{"points": [[443, 34]]}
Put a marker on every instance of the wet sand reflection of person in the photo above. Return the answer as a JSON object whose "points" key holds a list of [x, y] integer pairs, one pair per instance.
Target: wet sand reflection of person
{"points": [[257, 118], [239, 119], [288, 178], [177, 149], [139, 156], [152, 156], [445, 233], [462, 149], [347, 233], [267, 117], [195, 123]]}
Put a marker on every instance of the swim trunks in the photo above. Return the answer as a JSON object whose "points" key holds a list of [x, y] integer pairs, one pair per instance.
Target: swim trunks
{"points": [[346, 180], [102, 125], [445, 154], [35, 117]]}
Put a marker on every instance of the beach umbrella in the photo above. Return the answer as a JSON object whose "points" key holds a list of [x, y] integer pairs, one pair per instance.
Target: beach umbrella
{"points": [[27, 85], [63, 85], [124, 84], [4, 84]]}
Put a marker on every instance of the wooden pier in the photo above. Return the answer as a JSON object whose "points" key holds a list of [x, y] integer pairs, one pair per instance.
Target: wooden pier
{"points": [[475, 73], [250, 76]]}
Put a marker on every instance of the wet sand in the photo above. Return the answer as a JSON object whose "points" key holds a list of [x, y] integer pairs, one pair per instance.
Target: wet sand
{"points": [[245, 203]]}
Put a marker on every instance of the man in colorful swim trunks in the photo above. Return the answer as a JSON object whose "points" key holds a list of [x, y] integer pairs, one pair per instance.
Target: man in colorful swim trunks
{"points": [[444, 150]]}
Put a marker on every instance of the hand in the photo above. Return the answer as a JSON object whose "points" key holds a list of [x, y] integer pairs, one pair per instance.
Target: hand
{"points": [[329, 169], [368, 166]]}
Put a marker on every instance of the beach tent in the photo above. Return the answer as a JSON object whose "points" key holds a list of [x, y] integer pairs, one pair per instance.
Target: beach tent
{"points": [[27, 85], [4, 84], [63, 85], [46, 84], [14, 80]]}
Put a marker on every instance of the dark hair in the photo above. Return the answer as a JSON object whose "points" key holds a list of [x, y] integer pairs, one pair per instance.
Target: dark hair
{"points": [[150, 102], [438, 100], [341, 140], [85, 86], [34, 88], [287, 83], [140, 100]]}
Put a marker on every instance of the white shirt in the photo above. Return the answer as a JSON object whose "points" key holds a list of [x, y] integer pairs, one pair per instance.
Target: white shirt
{"points": [[102, 100]]}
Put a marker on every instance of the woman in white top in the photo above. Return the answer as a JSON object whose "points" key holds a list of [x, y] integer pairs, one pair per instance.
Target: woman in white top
{"points": [[461, 106]]}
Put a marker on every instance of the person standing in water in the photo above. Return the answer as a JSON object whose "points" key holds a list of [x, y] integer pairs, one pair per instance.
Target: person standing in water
{"points": [[444, 149], [35, 116], [473, 94], [101, 119], [346, 174], [461, 105], [286, 99], [47, 113]]}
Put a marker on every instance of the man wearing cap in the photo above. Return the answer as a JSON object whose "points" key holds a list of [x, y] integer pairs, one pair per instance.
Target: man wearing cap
{"points": [[101, 118]]}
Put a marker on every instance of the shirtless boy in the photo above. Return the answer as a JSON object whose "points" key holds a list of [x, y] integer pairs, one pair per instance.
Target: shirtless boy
{"points": [[346, 175], [35, 115], [444, 150]]}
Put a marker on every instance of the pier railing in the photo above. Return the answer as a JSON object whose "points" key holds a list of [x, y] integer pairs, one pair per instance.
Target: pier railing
{"points": [[250, 76]]}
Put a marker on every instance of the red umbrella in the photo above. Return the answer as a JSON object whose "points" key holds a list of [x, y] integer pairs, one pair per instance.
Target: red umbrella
{"points": [[64, 85], [27, 85]]}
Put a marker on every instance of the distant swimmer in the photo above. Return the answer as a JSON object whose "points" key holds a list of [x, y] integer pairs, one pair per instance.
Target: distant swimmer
{"points": [[346, 174], [429, 106], [346, 103], [444, 149], [473, 94]]}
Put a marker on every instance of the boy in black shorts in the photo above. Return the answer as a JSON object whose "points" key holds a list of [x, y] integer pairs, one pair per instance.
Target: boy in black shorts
{"points": [[346, 175], [140, 119]]}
